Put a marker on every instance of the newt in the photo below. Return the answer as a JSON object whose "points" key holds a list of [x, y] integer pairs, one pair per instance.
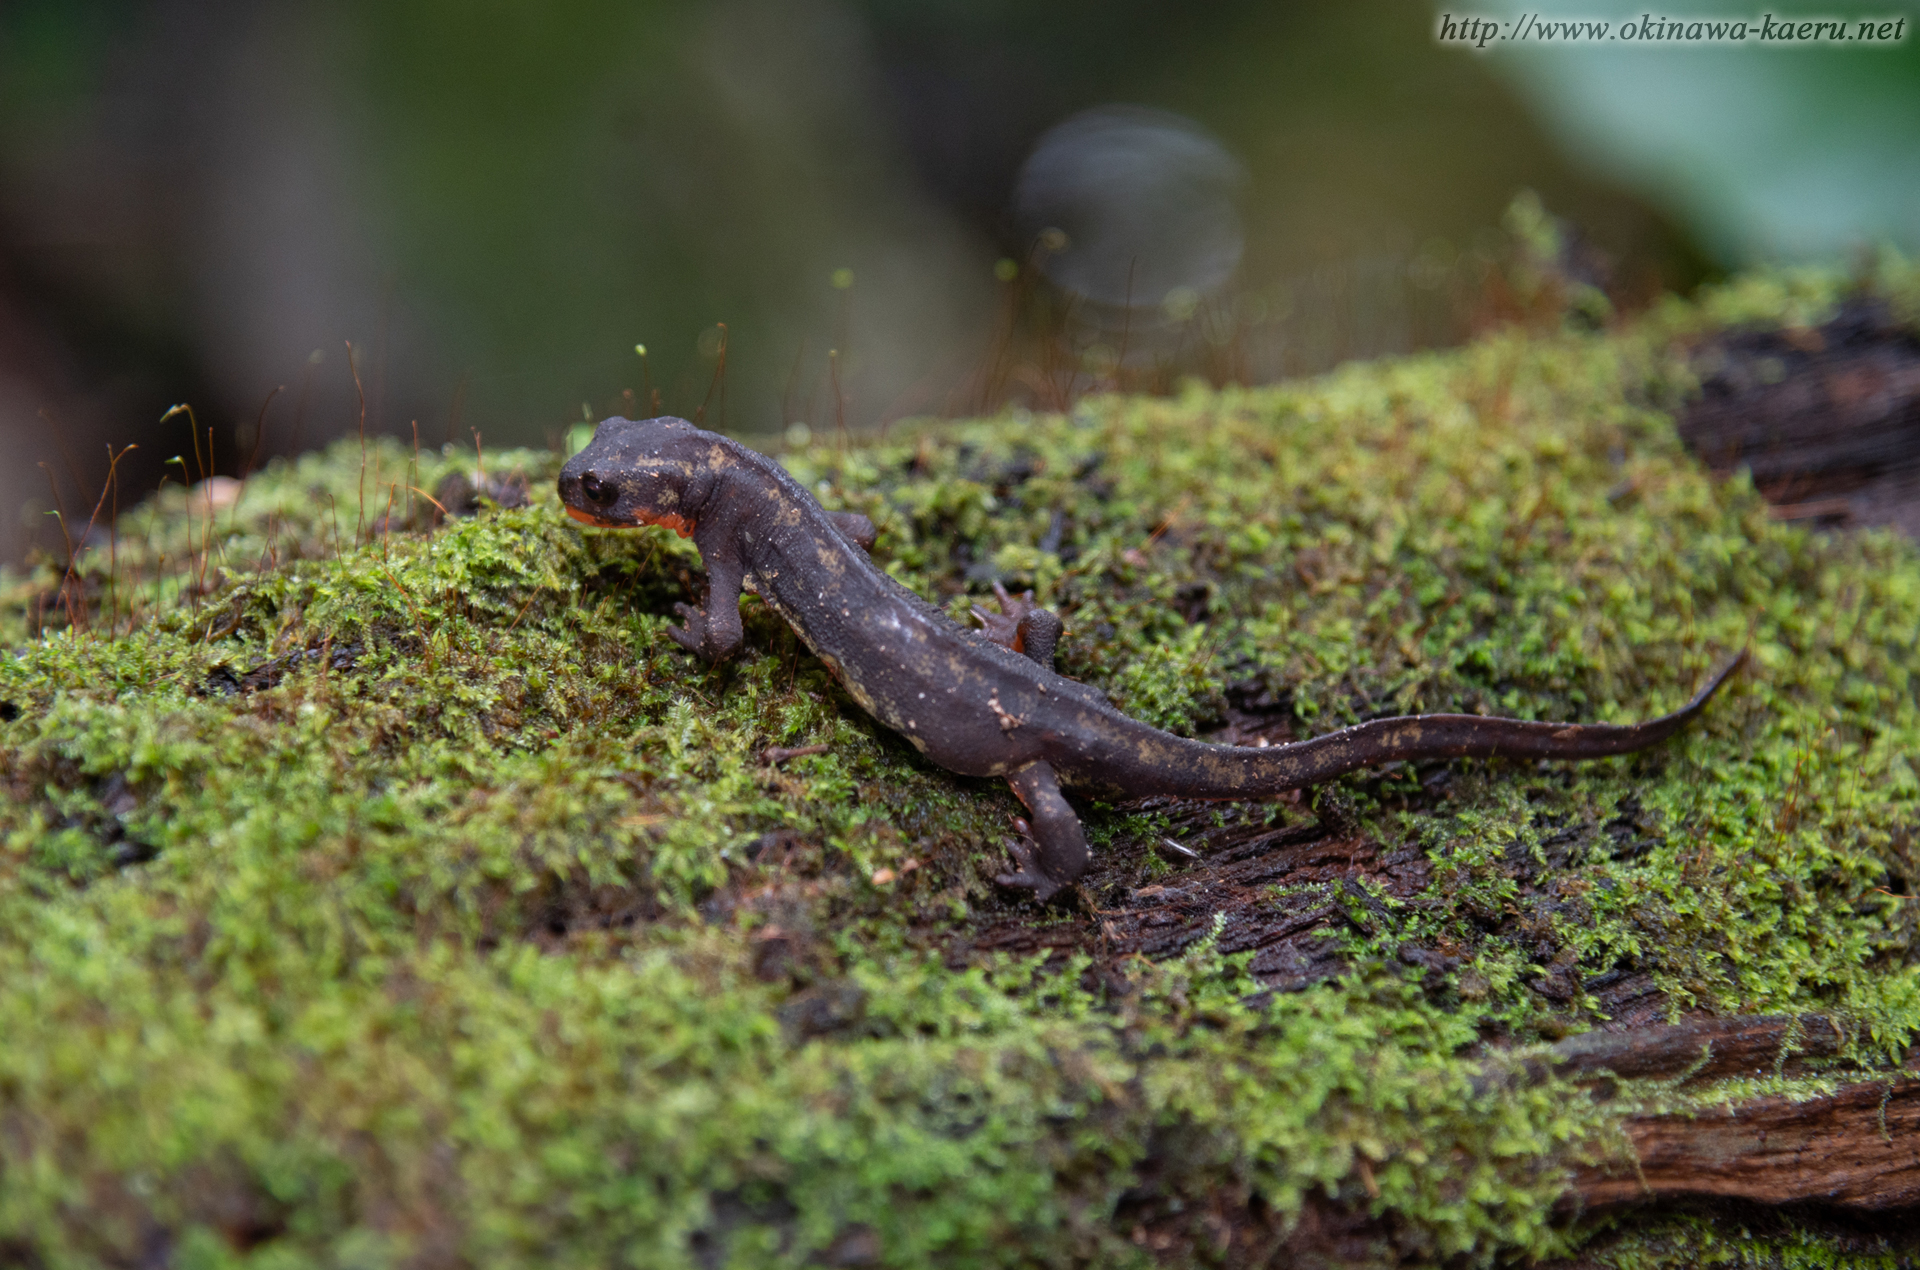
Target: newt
{"points": [[982, 702]]}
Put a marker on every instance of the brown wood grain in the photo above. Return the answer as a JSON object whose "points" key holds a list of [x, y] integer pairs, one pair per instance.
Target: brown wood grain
{"points": [[1857, 1148]]}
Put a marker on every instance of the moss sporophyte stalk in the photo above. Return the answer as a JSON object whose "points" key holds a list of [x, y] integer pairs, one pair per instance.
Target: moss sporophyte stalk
{"points": [[406, 894]]}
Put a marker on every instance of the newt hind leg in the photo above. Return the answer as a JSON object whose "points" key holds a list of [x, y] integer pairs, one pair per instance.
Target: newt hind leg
{"points": [[1059, 852], [1022, 625]]}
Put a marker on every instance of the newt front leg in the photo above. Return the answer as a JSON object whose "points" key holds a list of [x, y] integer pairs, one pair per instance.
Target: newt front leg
{"points": [[713, 630]]}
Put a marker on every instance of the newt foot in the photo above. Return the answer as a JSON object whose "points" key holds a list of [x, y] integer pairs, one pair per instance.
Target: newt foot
{"points": [[1026, 877], [1003, 628], [1021, 626], [692, 636]]}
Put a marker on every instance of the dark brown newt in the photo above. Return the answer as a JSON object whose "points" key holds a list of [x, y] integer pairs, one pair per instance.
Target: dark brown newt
{"points": [[987, 702]]}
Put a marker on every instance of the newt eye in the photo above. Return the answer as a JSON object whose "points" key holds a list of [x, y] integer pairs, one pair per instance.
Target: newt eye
{"points": [[602, 492]]}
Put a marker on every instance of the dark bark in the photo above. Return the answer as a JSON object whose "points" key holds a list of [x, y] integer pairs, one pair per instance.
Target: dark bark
{"points": [[1856, 1149], [1827, 419]]}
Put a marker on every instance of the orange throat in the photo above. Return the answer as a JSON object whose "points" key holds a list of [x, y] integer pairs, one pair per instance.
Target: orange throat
{"points": [[672, 520]]}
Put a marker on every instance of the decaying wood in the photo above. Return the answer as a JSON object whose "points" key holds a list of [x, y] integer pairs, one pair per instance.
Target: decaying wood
{"points": [[1855, 1149], [1827, 419], [1703, 1049]]}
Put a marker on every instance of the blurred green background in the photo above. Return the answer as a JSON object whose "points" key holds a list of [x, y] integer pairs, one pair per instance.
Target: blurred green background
{"points": [[494, 203]]}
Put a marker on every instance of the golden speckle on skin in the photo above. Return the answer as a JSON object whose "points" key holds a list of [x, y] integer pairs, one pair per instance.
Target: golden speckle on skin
{"points": [[674, 466], [1008, 721]]}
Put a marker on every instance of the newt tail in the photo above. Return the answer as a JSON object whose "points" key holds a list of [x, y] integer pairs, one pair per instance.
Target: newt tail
{"points": [[1178, 767]]}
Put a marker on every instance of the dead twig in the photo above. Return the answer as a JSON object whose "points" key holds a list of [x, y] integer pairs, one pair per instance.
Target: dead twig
{"points": [[776, 755]]}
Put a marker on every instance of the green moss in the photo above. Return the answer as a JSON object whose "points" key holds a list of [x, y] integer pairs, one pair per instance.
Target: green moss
{"points": [[1762, 1244], [370, 893]]}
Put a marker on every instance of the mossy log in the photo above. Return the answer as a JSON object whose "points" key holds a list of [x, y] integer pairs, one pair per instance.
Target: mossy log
{"points": [[380, 886], [1855, 1148]]}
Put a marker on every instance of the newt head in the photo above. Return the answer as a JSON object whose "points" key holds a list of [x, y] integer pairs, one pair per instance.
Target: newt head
{"points": [[635, 472]]}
